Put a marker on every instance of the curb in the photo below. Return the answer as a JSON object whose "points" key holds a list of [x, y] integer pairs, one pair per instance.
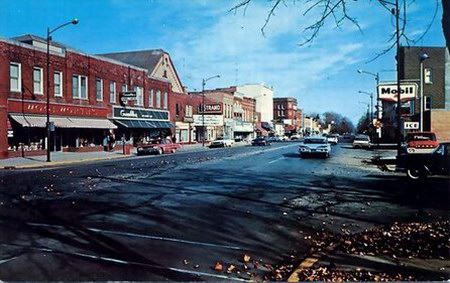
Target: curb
{"points": [[308, 263], [58, 163]]}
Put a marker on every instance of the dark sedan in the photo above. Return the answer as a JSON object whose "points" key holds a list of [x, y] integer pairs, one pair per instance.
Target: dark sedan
{"points": [[422, 165], [260, 141]]}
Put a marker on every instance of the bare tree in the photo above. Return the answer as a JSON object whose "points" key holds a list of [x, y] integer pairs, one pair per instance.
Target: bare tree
{"points": [[338, 12]]}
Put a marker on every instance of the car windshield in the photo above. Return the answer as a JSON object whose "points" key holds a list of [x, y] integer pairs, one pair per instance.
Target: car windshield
{"points": [[421, 137], [309, 141]]}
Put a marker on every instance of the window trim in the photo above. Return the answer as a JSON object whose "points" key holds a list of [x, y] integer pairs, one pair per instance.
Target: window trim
{"points": [[151, 98], [165, 100], [114, 93], [19, 77], [430, 82], [41, 88], [158, 99], [79, 87], [61, 92], [140, 98], [101, 90]]}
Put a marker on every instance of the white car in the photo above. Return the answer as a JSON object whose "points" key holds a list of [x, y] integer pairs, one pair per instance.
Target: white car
{"points": [[221, 142], [362, 141], [315, 146], [333, 139]]}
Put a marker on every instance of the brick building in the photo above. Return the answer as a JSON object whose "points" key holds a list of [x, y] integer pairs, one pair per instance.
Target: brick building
{"points": [[182, 106], [84, 99], [238, 117], [286, 112], [435, 77]]}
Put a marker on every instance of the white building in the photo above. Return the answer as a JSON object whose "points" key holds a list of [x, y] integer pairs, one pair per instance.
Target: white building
{"points": [[264, 99]]}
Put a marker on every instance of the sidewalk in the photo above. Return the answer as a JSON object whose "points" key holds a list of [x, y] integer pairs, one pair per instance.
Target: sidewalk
{"points": [[58, 158], [64, 158]]}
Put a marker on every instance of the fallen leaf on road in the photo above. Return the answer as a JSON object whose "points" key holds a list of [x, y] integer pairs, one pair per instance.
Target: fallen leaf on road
{"points": [[218, 267]]}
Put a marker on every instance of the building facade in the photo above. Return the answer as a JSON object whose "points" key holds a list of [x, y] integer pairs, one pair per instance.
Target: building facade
{"points": [[286, 113], [85, 96], [264, 101], [436, 111]]}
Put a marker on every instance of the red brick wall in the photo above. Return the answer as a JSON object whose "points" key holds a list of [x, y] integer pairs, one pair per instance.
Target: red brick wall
{"points": [[4, 89], [440, 124]]}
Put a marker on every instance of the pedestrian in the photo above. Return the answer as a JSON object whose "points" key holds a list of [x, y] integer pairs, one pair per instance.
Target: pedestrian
{"points": [[106, 143], [111, 142], [174, 139]]}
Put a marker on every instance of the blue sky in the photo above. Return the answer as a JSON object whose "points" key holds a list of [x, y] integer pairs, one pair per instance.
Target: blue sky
{"points": [[205, 39]]}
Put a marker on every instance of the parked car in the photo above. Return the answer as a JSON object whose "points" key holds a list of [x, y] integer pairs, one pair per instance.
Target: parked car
{"points": [[165, 146], [295, 137], [315, 146], [421, 142], [274, 139], [332, 138], [362, 141], [221, 142], [261, 141], [422, 165]]}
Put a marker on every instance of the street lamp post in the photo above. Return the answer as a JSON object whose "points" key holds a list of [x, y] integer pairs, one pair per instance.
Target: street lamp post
{"points": [[49, 32], [378, 106], [203, 105], [423, 57], [371, 102]]}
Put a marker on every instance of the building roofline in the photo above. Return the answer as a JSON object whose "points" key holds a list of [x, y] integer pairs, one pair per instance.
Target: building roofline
{"points": [[72, 50]]}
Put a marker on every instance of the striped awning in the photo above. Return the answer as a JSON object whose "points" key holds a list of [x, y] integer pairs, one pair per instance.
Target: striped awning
{"points": [[31, 121], [144, 124]]}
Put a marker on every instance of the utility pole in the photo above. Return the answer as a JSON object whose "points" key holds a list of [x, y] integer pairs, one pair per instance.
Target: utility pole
{"points": [[399, 103]]}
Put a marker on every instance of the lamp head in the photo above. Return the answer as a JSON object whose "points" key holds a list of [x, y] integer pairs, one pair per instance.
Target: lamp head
{"points": [[360, 71], [74, 21], [424, 56]]}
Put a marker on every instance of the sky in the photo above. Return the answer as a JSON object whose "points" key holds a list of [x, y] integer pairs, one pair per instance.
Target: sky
{"points": [[205, 39]]}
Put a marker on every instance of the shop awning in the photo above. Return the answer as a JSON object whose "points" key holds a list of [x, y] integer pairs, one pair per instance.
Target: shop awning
{"points": [[144, 124], [31, 121]]}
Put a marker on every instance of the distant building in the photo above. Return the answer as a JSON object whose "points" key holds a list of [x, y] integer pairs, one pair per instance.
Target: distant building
{"points": [[286, 112], [238, 117], [264, 101]]}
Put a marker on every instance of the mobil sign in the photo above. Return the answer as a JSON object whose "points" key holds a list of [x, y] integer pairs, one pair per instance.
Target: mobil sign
{"points": [[389, 91]]}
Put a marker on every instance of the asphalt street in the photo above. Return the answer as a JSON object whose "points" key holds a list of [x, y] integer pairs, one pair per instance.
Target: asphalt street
{"points": [[172, 217]]}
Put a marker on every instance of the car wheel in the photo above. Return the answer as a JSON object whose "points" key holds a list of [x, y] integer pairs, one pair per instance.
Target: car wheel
{"points": [[415, 173], [160, 151]]}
